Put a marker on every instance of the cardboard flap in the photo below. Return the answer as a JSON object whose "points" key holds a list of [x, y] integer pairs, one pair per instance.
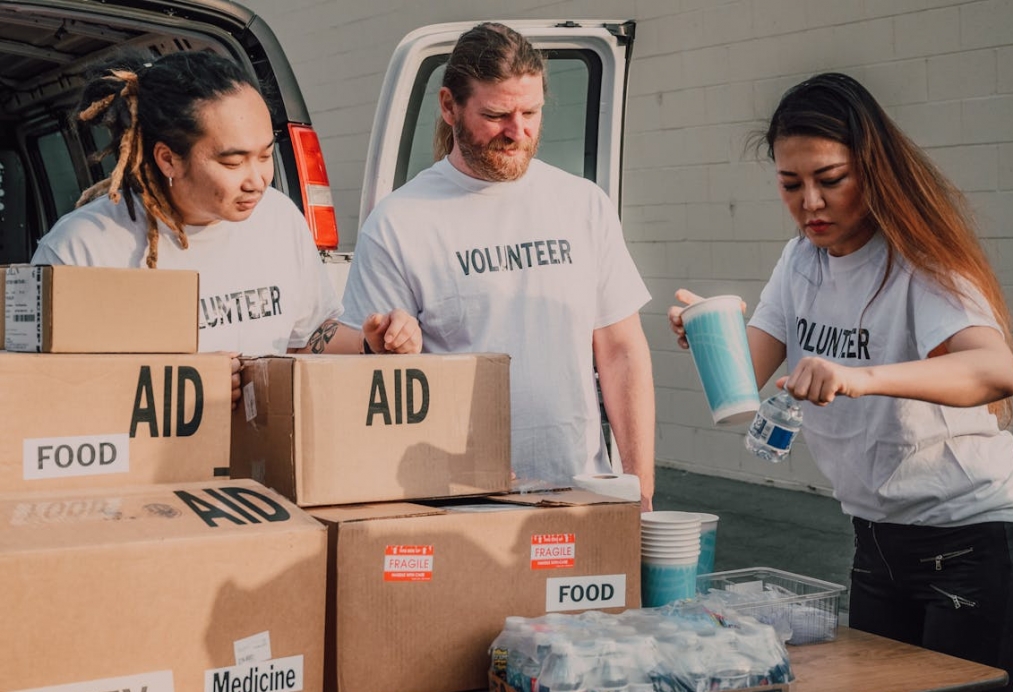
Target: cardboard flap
{"points": [[561, 498], [267, 388], [366, 512]]}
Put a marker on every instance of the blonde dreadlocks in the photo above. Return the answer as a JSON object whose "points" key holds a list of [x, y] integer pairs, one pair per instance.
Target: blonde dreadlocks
{"points": [[132, 172]]}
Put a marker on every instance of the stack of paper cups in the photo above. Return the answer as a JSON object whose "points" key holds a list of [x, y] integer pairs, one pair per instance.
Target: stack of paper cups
{"points": [[669, 550], [708, 542]]}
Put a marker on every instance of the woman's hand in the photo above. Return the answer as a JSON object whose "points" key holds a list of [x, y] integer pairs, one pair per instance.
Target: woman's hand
{"points": [[395, 332], [675, 314], [821, 381]]}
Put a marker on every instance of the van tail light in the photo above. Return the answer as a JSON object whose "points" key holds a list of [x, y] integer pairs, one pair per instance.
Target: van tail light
{"points": [[318, 204]]}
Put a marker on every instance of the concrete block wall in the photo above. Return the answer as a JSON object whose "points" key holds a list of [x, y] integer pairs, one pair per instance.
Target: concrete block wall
{"points": [[700, 209]]}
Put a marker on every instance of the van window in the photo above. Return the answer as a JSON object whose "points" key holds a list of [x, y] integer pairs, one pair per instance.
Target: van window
{"points": [[13, 209], [569, 121], [58, 168]]}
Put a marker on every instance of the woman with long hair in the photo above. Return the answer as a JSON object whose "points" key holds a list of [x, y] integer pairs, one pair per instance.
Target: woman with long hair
{"points": [[897, 338]]}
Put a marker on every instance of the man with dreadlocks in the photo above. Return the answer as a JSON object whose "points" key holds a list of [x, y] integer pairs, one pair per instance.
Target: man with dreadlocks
{"points": [[191, 189]]}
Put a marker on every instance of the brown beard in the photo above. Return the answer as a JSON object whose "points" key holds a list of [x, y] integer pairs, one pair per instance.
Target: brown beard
{"points": [[488, 162]]}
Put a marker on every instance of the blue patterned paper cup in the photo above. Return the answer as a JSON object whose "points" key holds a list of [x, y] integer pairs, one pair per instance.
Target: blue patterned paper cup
{"points": [[663, 581], [716, 332]]}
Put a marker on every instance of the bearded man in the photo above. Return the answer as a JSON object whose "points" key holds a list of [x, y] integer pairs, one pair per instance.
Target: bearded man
{"points": [[496, 251]]}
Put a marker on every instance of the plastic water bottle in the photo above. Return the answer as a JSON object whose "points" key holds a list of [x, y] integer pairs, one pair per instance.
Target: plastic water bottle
{"points": [[563, 670], [520, 646], [610, 674], [504, 643], [532, 667], [776, 423]]}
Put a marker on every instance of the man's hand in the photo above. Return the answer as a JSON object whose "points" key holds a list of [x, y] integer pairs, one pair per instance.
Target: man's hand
{"points": [[236, 380], [395, 332]]}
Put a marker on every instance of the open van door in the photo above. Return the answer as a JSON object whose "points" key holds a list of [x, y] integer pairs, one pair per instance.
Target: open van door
{"points": [[582, 122], [45, 46]]}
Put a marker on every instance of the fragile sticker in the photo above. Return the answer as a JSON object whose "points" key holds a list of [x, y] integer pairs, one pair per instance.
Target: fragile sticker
{"points": [[553, 550], [408, 563]]}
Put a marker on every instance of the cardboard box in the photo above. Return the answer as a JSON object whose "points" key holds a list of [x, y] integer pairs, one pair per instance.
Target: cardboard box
{"points": [[326, 430], [168, 588], [417, 592], [76, 421], [64, 309]]}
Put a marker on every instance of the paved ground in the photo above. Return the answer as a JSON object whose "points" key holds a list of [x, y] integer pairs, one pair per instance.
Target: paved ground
{"points": [[762, 526]]}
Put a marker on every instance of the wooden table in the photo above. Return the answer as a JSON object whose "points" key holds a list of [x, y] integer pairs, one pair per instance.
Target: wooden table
{"points": [[858, 661]]}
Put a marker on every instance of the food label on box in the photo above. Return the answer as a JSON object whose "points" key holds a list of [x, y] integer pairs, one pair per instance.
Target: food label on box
{"points": [[57, 511], [84, 455], [553, 550], [583, 593], [278, 675], [23, 309], [160, 681], [408, 563]]}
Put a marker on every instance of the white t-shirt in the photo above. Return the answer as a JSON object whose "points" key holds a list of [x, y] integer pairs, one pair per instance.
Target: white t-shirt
{"points": [[263, 287], [530, 268], [889, 459]]}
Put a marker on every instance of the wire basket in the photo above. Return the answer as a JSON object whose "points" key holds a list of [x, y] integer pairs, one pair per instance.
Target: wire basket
{"points": [[801, 609]]}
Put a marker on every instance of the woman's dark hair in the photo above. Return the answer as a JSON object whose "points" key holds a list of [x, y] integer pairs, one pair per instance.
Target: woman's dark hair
{"points": [[489, 52], [143, 101], [921, 214]]}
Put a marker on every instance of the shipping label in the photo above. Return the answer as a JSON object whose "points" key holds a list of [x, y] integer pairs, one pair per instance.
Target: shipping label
{"points": [[583, 593], [277, 675], [408, 563], [159, 681], [254, 648], [250, 401], [84, 455], [553, 550], [23, 309]]}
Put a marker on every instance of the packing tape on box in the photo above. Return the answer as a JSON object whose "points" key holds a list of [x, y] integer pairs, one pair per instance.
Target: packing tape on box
{"points": [[625, 486]]}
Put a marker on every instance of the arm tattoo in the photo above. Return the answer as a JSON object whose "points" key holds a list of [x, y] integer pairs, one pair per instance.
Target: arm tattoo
{"points": [[322, 336]]}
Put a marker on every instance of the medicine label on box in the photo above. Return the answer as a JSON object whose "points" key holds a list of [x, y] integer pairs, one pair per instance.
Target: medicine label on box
{"points": [[278, 675], [553, 551], [408, 563]]}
